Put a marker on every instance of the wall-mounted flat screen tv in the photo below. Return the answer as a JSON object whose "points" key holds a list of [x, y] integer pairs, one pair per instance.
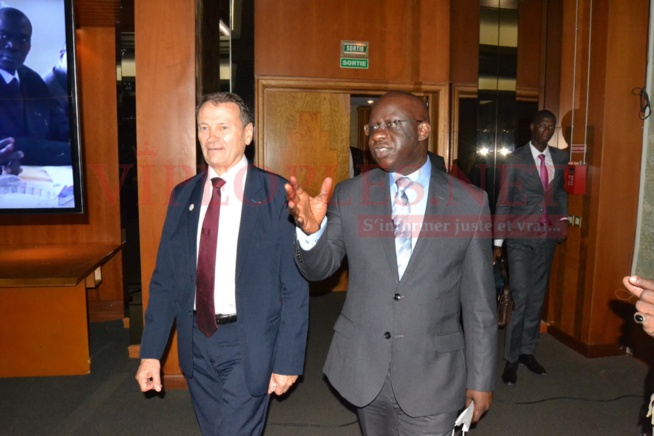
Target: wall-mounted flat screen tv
{"points": [[40, 150]]}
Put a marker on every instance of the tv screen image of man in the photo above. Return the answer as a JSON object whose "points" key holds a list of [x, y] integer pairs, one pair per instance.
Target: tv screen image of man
{"points": [[30, 120]]}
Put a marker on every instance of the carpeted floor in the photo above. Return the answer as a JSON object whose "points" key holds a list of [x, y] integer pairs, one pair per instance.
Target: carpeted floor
{"points": [[579, 396]]}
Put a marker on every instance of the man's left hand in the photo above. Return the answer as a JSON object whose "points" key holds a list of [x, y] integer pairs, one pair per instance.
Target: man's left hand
{"points": [[483, 401], [279, 384]]}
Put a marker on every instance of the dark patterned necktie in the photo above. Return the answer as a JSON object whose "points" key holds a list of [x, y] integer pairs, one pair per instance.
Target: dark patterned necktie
{"points": [[206, 272]]}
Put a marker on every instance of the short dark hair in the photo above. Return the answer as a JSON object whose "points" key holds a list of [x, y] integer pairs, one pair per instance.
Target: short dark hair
{"points": [[15, 14], [541, 114], [227, 97]]}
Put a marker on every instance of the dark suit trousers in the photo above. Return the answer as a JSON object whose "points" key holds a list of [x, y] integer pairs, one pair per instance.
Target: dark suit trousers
{"points": [[223, 405], [384, 417], [530, 261]]}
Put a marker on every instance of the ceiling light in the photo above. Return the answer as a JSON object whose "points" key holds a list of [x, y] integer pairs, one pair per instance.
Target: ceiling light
{"points": [[224, 29]]}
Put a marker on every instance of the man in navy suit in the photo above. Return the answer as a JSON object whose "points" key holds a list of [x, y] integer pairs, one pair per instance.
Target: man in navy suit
{"points": [[260, 299], [531, 216], [33, 129]]}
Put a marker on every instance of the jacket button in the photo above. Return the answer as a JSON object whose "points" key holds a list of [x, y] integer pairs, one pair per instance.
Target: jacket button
{"points": [[397, 297], [387, 335]]}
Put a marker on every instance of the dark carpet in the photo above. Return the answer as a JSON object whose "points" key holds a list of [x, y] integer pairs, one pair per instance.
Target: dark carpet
{"points": [[578, 396]]}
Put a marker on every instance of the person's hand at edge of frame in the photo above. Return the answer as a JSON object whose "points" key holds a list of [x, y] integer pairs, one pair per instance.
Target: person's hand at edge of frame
{"points": [[643, 289]]}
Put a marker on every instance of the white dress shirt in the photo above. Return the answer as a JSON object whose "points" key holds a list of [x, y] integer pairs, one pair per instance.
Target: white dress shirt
{"points": [[9, 77], [231, 206]]}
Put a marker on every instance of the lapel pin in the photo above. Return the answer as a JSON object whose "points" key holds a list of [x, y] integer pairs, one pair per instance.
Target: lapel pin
{"points": [[191, 207]]}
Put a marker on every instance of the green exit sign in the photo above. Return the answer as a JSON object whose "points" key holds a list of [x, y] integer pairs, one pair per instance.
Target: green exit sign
{"points": [[356, 49], [354, 63]]}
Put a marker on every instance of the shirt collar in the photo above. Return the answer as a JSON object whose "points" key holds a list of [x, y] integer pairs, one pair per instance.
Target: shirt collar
{"points": [[420, 176], [535, 152], [8, 77], [237, 172]]}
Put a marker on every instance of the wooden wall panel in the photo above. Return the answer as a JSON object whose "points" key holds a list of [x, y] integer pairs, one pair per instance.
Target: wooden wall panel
{"points": [[98, 13], [165, 113], [464, 42], [531, 15], [584, 307], [51, 339], [305, 136], [408, 41], [622, 138]]}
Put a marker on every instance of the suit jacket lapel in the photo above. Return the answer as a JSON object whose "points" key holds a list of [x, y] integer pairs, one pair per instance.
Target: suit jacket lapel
{"points": [[253, 197], [560, 161], [194, 206], [531, 171], [381, 206], [436, 200]]}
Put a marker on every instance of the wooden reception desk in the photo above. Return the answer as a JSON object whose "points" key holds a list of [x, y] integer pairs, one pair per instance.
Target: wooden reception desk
{"points": [[43, 307]]}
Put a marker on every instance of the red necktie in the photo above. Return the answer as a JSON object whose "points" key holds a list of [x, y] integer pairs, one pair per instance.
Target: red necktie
{"points": [[206, 272], [544, 180]]}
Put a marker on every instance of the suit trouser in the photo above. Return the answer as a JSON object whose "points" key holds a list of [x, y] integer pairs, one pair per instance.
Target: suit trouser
{"points": [[223, 405], [530, 261], [385, 417]]}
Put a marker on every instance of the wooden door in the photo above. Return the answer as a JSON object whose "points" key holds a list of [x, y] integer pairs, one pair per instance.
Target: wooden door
{"points": [[306, 135]]}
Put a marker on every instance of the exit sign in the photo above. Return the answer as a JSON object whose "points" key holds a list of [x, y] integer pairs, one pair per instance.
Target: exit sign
{"points": [[360, 49], [354, 54], [354, 63]]}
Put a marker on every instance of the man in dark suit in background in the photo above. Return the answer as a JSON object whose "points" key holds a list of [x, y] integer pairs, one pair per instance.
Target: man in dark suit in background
{"points": [[530, 218], [357, 162], [416, 339], [242, 323], [30, 121], [57, 82], [437, 160]]}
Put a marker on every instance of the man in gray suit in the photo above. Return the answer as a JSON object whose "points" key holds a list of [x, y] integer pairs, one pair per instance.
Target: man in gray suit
{"points": [[416, 339], [532, 216]]}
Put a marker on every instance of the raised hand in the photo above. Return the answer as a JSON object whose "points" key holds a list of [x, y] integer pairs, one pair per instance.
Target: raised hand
{"points": [[307, 211]]}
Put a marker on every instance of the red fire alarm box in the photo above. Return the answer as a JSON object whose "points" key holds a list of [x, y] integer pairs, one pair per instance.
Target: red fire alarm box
{"points": [[575, 178]]}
